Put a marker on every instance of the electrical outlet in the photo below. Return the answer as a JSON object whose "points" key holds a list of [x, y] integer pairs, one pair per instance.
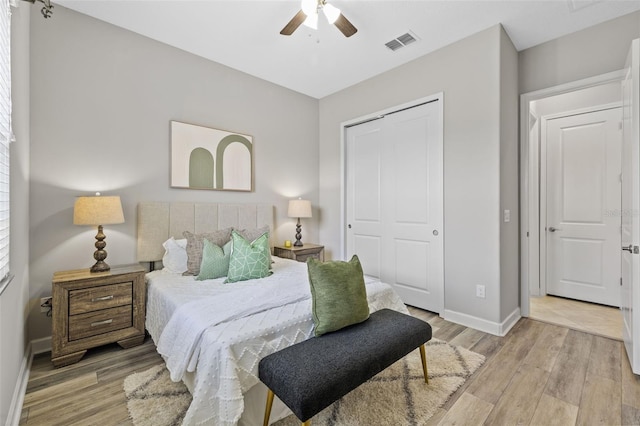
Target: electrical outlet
{"points": [[45, 304], [480, 291], [507, 215]]}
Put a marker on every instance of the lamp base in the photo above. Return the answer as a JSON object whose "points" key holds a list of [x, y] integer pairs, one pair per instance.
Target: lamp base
{"points": [[100, 266], [298, 242], [100, 254]]}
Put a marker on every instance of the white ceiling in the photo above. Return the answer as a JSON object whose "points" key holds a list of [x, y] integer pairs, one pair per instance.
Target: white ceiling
{"points": [[244, 35]]}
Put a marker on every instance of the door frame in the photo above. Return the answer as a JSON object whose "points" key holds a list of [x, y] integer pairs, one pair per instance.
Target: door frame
{"points": [[531, 250], [343, 155]]}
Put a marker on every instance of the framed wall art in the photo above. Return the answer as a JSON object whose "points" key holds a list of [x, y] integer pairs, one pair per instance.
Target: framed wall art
{"points": [[206, 158]]}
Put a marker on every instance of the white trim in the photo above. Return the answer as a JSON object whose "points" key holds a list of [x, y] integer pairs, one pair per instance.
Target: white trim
{"points": [[541, 256], [40, 346], [529, 221], [15, 409], [498, 329], [5, 283], [586, 110]]}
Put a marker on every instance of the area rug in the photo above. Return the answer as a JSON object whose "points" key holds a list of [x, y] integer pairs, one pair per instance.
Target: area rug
{"points": [[396, 396]]}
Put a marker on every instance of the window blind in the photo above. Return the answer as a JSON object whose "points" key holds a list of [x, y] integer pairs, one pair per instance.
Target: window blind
{"points": [[5, 134]]}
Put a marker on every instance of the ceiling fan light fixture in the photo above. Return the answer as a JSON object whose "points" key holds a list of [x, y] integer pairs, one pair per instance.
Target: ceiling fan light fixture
{"points": [[331, 12], [308, 15], [309, 7], [311, 21]]}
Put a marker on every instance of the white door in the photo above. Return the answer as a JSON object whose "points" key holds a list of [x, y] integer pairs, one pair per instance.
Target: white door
{"points": [[363, 195], [583, 169], [394, 202], [630, 265]]}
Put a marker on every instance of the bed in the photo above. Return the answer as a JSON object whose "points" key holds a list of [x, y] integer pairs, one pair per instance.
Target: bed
{"points": [[212, 335]]}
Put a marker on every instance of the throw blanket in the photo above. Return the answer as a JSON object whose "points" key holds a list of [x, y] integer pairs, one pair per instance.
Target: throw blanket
{"points": [[181, 339]]}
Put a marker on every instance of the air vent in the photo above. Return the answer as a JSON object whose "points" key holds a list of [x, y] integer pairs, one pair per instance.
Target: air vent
{"points": [[401, 41], [394, 44]]}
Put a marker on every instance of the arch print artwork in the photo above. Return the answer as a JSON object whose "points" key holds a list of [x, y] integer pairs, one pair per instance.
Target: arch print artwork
{"points": [[206, 158]]}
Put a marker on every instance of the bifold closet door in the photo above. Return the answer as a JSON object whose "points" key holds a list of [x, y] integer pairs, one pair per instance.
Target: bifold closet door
{"points": [[394, 202]]}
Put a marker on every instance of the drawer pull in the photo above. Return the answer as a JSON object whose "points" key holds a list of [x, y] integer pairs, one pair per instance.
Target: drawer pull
{"points": [[100, 299], [95, 324]]}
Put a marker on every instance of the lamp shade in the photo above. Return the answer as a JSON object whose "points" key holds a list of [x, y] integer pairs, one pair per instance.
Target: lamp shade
{"points": [[299, 208], [97, 210]]}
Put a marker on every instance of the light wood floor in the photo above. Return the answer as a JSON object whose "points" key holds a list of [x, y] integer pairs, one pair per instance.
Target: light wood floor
{"points": [[592, 318], [539, 374]]}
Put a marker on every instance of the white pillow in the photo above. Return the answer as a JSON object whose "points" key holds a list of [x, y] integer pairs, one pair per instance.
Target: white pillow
{"points": [[175, 255]]}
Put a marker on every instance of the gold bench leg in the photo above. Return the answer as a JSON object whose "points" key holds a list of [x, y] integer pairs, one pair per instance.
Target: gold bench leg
{"points": [[307, 423], [267, 409], [424, 364]]}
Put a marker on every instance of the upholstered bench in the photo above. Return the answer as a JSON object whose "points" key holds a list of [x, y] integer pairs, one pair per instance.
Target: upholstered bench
{"points": [[311, 375]]}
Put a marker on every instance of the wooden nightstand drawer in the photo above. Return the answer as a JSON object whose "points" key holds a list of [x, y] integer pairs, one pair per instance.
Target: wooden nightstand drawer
{"points": [[103, 297], [302, 257], [99, 322]]}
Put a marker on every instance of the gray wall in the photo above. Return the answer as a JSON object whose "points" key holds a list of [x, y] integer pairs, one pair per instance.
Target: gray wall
{"points": [[597, 50], [509, 179], [101, 101], [14, 302], [468, 72]]}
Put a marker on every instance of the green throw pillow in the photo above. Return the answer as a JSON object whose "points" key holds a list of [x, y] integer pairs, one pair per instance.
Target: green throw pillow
{"points": [[249, 260], [215, 261], [338, 294]]}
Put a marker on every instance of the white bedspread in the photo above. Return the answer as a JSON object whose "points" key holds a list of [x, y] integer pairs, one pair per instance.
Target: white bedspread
{"points": [[180, 340], [221, 331]]}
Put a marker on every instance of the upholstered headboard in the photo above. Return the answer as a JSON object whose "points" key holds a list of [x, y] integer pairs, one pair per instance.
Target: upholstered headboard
{"points": [[157, 221]]}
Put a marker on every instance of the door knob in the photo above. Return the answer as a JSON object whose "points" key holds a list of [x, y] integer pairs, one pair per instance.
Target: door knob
{"points": [[552, 229], [629, 249]]}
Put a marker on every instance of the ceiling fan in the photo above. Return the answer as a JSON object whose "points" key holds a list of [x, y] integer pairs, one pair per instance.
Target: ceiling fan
{"points": [[309, 17]]}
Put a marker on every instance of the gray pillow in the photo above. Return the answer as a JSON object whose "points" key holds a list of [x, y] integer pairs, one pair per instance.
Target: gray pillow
{"points": [[195, 245], [338, 294], [251, 234]]}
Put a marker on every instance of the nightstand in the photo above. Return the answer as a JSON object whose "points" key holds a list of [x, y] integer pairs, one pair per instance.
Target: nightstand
{"points": [[93, 309], [301, 254]]}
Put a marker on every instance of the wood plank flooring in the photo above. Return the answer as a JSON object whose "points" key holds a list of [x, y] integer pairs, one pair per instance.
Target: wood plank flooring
{"points": [[539, 374]]}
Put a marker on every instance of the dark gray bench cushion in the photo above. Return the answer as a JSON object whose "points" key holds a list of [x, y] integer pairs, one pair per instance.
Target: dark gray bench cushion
{"points": [[311, 375]]}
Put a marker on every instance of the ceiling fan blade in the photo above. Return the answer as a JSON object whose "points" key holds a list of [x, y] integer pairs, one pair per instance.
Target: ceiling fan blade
{"points": [[345, 26], [294, 23]]}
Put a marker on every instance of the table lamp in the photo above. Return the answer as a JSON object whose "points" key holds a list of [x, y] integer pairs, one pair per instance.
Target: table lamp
{"points": [[299, 208], [98, 211]]}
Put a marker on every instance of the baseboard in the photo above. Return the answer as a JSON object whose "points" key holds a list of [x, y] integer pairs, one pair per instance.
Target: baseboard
{"points": [[495, 328], [40, 346], [15, 409], [35, 347], [510, 321]]}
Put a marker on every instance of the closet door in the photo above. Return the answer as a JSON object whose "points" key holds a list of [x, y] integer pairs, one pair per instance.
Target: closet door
{"points": [[364, 197], [394, 202]]}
